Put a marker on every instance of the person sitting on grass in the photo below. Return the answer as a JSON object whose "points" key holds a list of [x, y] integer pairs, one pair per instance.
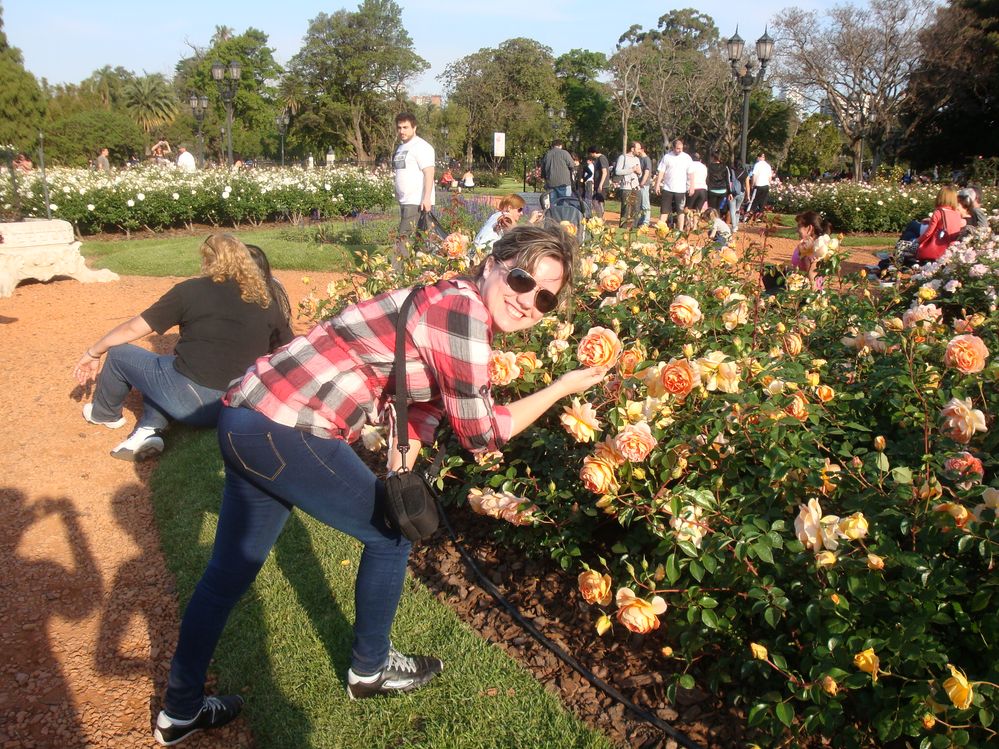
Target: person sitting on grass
{"points": [[944, 228], [228, 317], [511, 210], [286, 434]]}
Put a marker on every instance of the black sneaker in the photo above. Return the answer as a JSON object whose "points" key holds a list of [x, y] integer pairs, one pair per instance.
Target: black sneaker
{"points": [[215, 713], [402, 673]]}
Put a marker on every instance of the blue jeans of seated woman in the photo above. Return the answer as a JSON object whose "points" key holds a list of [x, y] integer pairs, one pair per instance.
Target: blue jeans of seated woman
{"points": [[269, 469], [166, 393]]}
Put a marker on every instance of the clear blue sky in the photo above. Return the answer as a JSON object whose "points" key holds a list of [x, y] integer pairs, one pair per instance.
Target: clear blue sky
{"points": [[66, 40]]}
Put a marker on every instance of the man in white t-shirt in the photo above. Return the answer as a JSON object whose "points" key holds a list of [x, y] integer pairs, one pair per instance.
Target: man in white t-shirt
{"points": [[413, 165], [628, 169], [671, 184], [759, 180], [185, 159]]}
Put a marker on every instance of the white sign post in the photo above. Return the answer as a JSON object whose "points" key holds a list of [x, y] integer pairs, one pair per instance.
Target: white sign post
{"points": [[499, 145]]}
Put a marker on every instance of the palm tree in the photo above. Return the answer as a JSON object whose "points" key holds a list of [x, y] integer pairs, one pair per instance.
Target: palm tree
{"points": [[151, 101], [222, 34]]}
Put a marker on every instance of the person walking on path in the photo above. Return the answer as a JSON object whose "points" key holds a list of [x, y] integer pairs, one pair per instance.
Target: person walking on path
{"points": [[644, 183], [601, 168], [671, 184], [557, 169], [759, 180], [228, 316], [103, 164], [628, 168], [413, 167], [286, 435]]}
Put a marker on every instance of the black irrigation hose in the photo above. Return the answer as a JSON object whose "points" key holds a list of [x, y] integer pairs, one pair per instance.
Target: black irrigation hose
{"points": [[571, 662]]}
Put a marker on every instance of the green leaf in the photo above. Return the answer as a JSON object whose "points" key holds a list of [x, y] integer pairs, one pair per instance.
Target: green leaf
{"points": [[708, 602], [757, 713], [855, 425], [672, 568], [785, 713], [985, 717], [763, 551], [882, 462], [709, 618], [901, 475], [696, 570], [687, 681]]}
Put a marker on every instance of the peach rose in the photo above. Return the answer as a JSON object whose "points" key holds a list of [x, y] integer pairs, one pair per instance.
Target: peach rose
{"points": [[792, 344], [502, 506], [527, 361], [580, 420], [600, 347], [607, 451], [503, 367], [967, 468], [735, 315], [680, 376], [815, 530], [728, 255], [568, 227], [635, 442], [610, 279], [966, 353], [957, 511], [637, 614], [595, 588], [685, 311], [630, 358], [918, 314], [961, 420], [825, 393], [598, 476], [797, 407], [720, 292], [456, 244]]}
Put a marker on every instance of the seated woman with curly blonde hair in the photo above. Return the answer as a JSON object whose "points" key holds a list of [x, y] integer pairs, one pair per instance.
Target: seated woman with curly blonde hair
{"points": [[228, 317]]}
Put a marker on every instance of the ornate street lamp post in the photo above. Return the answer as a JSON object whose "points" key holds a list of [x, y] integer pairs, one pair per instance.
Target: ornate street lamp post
{"points": [[444, 132], [199, 108], [227, 79], [282, 121], [744, 76]]}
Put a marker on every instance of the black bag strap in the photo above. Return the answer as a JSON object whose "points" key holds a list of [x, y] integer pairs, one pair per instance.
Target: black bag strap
{"points": [[399, 373]]}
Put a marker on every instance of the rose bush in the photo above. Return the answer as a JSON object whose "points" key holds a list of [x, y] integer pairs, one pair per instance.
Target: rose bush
{"points": [[815, 475], [158, 197]]}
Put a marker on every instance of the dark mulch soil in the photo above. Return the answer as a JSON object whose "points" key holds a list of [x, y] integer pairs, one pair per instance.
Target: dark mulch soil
{"points": [[633, 664]]}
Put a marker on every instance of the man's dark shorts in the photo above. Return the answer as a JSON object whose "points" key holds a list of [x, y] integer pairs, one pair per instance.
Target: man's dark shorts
{"points": [[672, 202], [407, 219]]}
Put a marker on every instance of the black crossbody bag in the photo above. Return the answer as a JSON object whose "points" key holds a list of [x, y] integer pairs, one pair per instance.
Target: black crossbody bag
{"points": [[411, 503]]}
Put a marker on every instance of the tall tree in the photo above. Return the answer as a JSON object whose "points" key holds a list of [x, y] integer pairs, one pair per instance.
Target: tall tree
{"points": [[587, 100], [353, 68], [855, 60], [817, 147], [151, 101], [511, 88], [21, 98]]}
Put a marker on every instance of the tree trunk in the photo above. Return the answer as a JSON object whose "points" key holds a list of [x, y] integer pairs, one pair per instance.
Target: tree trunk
{"points": [[857, 147]]}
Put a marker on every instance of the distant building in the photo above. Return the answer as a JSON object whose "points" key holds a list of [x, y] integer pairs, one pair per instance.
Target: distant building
{"points": [[435, 101]]}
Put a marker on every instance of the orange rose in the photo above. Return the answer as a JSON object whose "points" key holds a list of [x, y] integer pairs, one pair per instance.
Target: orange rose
{"points": [[825, 393], [598, 475], [607, 451], [680, 376], [685, 311], [797, 407], [610, 279], [503, 367], [527, 361], [455, 245], [600, 347], [637, 614], [635, 442], [966, 353], [629, 360], [792, 344], [596, 588]]}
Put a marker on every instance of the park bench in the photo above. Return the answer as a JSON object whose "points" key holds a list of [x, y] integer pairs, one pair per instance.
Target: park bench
{"points": [[41, 250]]}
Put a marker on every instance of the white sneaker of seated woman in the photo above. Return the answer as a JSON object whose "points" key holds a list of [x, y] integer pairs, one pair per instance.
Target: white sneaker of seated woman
{"points": [[142, 444], [88, 414]]}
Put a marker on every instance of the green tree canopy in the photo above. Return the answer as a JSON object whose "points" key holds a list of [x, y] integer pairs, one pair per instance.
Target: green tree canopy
{"points": [[351, 74], [817, 147], [587, 100], [150, 100], [21, 99], [78, 137]]}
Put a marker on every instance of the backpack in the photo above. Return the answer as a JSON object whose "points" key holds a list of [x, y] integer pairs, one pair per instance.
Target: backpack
{"points": [[734, 184], [570, 209]]}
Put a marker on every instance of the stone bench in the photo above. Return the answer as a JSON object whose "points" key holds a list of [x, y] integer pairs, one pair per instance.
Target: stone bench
{"points": [[41, 250]]}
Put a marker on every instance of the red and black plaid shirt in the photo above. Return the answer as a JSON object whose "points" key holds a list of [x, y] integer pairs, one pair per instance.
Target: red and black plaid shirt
{"points": [[331, 382]]}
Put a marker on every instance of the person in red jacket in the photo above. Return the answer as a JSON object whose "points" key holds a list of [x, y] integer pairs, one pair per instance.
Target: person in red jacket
{"points": [[945, 225]]}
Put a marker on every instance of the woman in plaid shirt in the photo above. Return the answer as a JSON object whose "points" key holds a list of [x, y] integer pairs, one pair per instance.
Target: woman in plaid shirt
{"points": [[285, 437]]}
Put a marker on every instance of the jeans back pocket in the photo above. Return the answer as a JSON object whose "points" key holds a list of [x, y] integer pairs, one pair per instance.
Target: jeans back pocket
{"points": [[257, 453]]}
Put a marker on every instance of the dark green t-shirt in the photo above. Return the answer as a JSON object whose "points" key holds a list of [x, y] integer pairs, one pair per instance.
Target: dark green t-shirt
{"points": [[220, 334]]}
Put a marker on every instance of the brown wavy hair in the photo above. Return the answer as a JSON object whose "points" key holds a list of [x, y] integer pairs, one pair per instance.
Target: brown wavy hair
{"points": [[224, 257]]}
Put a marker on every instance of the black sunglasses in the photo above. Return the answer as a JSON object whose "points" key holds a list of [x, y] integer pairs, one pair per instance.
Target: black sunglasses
{"points": [[521, 281]]}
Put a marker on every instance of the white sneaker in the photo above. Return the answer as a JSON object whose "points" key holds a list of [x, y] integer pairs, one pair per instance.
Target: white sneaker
{"points": [[142, 444], [88, 414]]}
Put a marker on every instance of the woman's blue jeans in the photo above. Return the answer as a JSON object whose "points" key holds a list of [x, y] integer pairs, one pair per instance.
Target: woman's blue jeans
{"points": [[269, 469], [166, 393]]}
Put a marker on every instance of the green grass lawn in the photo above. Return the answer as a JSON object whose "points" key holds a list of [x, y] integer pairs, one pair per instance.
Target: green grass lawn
{"points": [[287, 644]]}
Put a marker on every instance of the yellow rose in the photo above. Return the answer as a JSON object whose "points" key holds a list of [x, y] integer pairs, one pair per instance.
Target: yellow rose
{"points": [[961, 420], [959, 689], [600, 347], [728, 255], [825, 558], [503, 367], [759, 652], [580, 420], [685, 311], [595, 588], [829, 685], [874, 562], [679, 377], [735, 315], [868, 662], [927, 293], [637, 614], [598, 476], [854, 526], [966, 353], [792, 344], [718, 372], [635, 442], [813, 378]]}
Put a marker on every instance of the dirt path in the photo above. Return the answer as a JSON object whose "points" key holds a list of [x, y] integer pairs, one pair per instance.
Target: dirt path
{"points": [[88, 613]]}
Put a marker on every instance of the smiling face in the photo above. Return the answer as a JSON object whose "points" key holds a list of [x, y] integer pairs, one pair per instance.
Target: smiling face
{"points": [[509, 310]]}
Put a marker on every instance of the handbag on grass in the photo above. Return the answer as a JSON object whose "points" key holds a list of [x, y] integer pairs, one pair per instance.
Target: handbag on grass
{"points": [[410, 500]]}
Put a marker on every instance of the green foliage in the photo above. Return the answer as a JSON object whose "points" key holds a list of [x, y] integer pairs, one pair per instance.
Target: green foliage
{"points": [[815, 148], [77, 137], [151, 101], [813, 473], [20, 98]]}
